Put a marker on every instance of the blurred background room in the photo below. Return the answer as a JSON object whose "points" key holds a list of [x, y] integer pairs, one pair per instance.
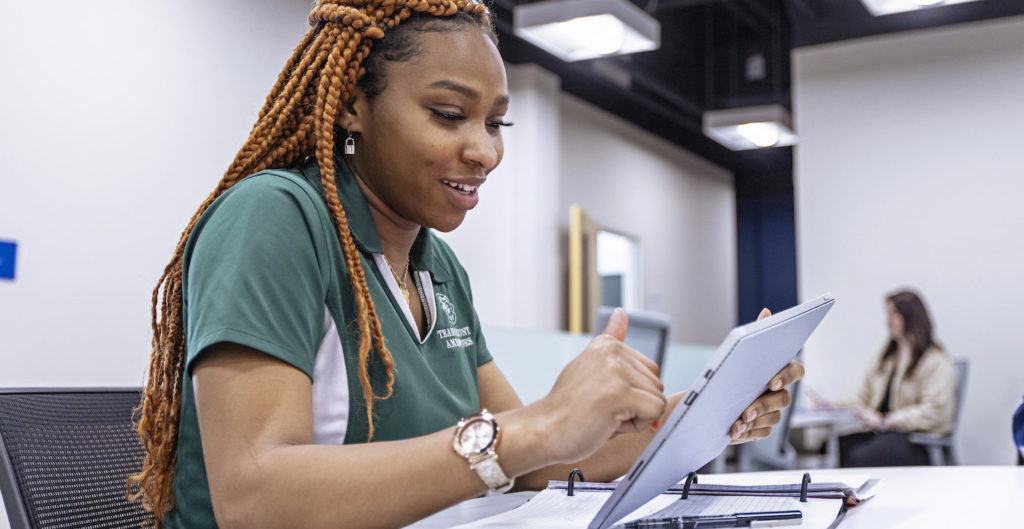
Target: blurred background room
{"points": [[622, 182]]}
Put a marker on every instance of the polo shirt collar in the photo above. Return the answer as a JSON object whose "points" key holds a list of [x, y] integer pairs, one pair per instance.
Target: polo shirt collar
{"points": [[424, 253], [424, 256]]}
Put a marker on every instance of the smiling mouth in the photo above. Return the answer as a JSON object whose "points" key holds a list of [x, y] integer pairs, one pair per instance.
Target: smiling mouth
{"points": [[465, 189]]}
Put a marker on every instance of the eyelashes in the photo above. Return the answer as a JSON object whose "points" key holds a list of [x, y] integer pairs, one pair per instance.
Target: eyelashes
{"points": [[454, 117], [450, 116]]}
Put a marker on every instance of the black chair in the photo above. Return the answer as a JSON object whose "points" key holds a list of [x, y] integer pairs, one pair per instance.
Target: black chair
{"points": [[65, 456]]}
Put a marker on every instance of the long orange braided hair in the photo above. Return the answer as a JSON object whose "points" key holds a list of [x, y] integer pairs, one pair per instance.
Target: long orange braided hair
{"points": [[297, 123]]}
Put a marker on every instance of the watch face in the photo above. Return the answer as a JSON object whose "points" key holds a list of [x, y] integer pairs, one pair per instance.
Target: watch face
{"points": [[476, 437]]}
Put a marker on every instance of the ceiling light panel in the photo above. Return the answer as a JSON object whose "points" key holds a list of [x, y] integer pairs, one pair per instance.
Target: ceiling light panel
{"points": [[575, 30], [755, 127], [888, 7]]}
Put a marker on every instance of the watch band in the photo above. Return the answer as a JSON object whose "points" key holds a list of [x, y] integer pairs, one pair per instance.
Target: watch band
{"points": [[484, 460], [490, 472]]}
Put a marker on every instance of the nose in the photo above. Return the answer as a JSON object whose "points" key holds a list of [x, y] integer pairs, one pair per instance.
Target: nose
{"points": [[482, 148]]}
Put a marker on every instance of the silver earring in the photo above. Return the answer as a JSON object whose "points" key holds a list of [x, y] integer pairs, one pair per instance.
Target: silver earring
{"points": [[350, 144]]}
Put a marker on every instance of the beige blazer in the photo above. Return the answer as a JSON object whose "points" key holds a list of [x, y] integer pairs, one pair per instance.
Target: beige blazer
{"points": [[923, 402]]}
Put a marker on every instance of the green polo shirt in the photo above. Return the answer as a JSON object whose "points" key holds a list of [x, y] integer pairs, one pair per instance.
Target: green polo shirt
{"points": [[263, 268]]}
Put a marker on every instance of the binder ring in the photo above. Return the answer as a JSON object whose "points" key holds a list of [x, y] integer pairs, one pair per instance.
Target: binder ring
{"points": [[572, 481], [803, 486], [691, 479]]}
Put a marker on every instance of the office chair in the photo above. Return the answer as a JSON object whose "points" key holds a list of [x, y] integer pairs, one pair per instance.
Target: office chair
{"points": [[774, 452], [647, 333], [65, 456], [942, 448]]}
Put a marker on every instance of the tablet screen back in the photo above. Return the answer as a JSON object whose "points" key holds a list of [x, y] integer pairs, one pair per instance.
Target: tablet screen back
{"points": [[698, 429]]}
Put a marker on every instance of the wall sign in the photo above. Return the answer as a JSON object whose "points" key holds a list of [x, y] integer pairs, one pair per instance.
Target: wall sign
{"points": [[8, 251]]}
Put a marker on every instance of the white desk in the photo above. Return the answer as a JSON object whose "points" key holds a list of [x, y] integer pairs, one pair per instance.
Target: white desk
{"points": [[908, 498]]}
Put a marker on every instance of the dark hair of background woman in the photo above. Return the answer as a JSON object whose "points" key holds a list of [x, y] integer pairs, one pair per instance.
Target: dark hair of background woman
{"points": [[917, 327]]}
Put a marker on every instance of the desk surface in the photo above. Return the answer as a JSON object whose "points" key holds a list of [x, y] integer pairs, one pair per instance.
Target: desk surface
{"points": [[908, 497]]}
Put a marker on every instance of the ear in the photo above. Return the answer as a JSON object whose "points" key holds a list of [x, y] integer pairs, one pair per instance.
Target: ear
{"points": [[354, 112]]}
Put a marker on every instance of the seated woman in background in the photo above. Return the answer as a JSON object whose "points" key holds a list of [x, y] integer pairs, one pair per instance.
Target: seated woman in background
{"points": [[911, 389]]}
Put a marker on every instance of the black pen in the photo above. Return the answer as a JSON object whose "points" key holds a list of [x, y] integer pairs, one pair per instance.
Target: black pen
{"points": [[740, 519]]}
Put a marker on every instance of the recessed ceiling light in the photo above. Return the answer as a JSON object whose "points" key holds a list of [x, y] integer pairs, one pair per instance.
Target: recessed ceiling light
{"points": [[753, 127], [574, 30], [888, 7]]}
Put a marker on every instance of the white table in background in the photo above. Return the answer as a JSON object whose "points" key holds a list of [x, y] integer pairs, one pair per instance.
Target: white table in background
{"points": [[834, 422], [908, 498]]}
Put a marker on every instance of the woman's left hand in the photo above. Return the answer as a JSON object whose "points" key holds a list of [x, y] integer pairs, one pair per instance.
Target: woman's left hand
{"points": [[757, 420]]}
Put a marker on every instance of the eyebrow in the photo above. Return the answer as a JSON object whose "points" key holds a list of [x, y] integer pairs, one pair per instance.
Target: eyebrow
{"points": [[466, 91]]}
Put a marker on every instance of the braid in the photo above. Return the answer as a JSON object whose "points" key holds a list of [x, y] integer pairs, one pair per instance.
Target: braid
{"points": [[329, 95], [296, 123]]}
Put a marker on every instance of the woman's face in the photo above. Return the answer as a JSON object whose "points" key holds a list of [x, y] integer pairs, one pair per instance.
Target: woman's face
{"points": [[429, 139], [895, 320]]}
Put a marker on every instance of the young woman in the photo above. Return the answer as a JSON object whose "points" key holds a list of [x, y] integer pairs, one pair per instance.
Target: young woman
{"points": [[911, 389], [310, 309]]}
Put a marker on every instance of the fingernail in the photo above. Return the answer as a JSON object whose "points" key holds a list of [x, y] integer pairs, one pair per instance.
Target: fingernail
{"points": [[657, 424], [776, 385], [750, 415]]}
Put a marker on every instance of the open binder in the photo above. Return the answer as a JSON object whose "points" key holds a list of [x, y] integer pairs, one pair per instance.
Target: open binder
{"points": [[804, 490], [571, 504]]}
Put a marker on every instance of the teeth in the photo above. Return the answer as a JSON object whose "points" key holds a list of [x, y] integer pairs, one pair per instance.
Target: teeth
{"points": [[464, 188]]}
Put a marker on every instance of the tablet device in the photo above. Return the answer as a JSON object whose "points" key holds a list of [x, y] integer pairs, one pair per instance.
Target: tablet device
{"points": [[698, 429]]}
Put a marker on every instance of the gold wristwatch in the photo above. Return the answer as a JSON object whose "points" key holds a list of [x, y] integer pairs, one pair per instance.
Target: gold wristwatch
{"points": [[476, 439]]}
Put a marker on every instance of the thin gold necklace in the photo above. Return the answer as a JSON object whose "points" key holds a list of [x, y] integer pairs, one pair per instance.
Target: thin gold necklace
{"points": [[402, 281]]}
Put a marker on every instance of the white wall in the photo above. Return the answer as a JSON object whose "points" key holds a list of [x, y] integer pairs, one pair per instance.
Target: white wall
{"points": [[118, 118], [909, 174], [681, 207]]}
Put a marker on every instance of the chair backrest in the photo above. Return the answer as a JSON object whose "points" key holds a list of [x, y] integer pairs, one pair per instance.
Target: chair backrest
{"points": [[647, 333], [961, 365], [65, 456]]}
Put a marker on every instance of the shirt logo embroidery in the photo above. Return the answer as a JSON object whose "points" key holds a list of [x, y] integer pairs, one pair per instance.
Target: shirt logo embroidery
{"points": [[455, 337], [447, 307]]}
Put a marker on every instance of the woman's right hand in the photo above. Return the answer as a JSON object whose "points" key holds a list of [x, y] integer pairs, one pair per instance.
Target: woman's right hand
{"points": [[609, 389]]}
